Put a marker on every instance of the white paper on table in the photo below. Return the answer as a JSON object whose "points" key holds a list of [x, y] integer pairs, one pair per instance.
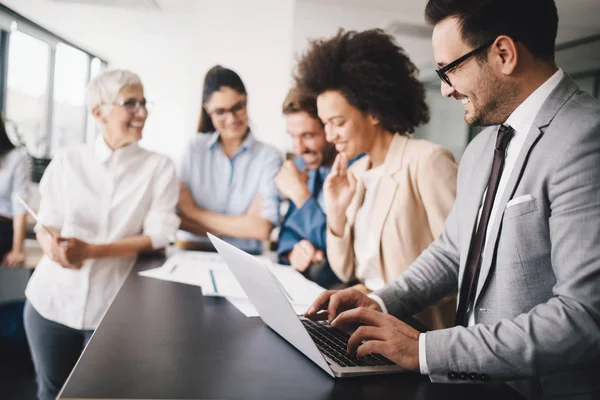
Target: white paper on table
{"points": [[194, 268]]}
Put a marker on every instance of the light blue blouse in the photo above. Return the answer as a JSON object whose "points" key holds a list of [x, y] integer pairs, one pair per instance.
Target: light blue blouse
{"points": [[228, 186]]}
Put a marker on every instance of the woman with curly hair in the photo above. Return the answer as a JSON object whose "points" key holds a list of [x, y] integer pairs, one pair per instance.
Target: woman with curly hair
{"points": [[390, 205]]}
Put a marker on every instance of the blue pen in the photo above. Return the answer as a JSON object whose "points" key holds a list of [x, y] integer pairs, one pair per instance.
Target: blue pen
{"points": [[212, 278], [173, 269]]}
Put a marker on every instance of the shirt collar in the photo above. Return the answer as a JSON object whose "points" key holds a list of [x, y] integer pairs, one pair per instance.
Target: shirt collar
{"points": [[323, 171], [523, 116], [103, 152], [212, 143]]}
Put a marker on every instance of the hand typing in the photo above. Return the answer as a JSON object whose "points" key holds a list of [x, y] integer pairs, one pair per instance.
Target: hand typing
{"points": [[332, 302], [383, 334]]}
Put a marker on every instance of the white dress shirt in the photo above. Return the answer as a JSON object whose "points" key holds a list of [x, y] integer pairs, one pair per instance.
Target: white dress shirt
{"points": [[100, 196], [368, 266], [14, 179], [521, 120]]}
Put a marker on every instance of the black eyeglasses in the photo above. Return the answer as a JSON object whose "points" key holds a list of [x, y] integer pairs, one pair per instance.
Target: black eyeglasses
{"points": [[442, 71], [221, 113]]}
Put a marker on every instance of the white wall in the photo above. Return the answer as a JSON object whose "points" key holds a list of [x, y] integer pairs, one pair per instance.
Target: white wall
{"points": [[315, 19], [447, 125], [172, 50]]}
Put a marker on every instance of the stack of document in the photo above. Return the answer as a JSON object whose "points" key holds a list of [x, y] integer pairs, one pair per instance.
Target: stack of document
{"points": [[209, 271]]}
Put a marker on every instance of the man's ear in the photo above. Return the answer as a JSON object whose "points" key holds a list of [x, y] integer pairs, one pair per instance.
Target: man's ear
{"points": [[505, 54]]}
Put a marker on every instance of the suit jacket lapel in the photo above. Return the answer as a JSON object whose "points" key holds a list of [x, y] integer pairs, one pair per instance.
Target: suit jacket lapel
{"points": [[388, 186], [557, 99]]}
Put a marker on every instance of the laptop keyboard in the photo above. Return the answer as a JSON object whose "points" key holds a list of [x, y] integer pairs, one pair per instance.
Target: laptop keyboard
{"points": [[333, 343]]}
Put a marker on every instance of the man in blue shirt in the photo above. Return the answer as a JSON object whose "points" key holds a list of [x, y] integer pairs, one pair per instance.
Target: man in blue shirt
{"points": [[303, 231]]}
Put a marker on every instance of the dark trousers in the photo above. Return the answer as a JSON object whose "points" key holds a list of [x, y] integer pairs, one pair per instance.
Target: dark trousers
{"points": [[55, 349], [6, 237]]}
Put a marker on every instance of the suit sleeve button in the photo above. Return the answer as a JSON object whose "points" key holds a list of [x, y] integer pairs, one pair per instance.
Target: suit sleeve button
{"points": [[473, 376], [485, 377], [452, 375], [463, 376]]}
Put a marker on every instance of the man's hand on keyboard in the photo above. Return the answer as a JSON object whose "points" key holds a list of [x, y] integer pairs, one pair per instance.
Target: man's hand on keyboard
{"points": [[383, 334], [331, 303]]}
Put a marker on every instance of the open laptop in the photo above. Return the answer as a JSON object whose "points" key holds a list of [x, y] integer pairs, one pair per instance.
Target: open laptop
{"points": [[317, 340]]}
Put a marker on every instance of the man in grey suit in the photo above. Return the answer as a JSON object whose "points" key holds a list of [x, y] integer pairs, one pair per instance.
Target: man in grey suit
{"points": [[522, 243]]}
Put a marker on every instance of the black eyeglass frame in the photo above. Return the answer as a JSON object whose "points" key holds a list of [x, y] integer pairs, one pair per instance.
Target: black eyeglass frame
{"points": [[222, 112], [442, 71]]}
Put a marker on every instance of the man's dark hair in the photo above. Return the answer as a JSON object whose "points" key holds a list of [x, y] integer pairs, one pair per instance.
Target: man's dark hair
{"points": [[534, 23], [296, 102], [372, 73], [216, 78]]}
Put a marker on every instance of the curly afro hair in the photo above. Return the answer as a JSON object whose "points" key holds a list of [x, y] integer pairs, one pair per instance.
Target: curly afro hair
{"points": [[372, 73]]}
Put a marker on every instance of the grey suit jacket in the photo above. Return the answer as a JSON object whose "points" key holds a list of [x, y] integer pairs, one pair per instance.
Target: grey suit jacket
{"points": [[538, 294]]}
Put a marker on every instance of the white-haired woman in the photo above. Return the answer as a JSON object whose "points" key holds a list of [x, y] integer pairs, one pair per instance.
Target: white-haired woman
{"points": [[105, 203]]}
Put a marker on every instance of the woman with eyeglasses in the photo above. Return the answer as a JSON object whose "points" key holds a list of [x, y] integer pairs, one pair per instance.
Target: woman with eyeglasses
{"points": [[14, 180], [227, 175], [385, 209], [103, 204]]}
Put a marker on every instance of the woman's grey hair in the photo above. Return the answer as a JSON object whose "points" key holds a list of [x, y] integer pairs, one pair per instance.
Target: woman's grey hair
{"points": [[105, 88]]}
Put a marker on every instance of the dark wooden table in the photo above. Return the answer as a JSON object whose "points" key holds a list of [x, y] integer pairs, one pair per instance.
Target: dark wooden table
{"points": [[163, 340]]}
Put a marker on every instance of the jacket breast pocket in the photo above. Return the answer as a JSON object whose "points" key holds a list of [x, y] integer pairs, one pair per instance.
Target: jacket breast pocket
{"points": [[523, 263], [520, 209]]}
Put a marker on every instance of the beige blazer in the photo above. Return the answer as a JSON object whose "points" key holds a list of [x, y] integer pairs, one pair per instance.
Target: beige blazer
{"points": [[416, 193]]}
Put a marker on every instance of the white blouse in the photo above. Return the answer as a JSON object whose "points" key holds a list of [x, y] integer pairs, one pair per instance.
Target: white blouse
{"points": [[368, 267], [100, 196]]}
